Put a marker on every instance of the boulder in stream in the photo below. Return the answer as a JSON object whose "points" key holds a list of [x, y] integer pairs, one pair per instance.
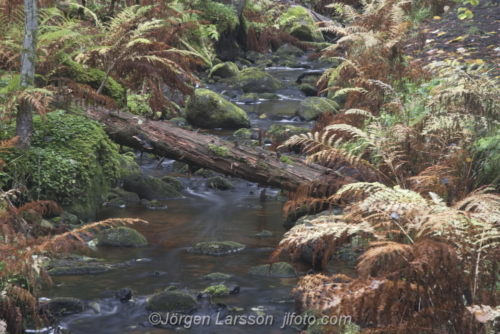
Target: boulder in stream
{"points": [[301, 25], [174, 182], [217, 290], [310, 108], [289, 50], [218, 182], [171, 301], [121, 237], [279, 269], [224, 70], [207, 109], [64, 305], [254, 80], [150, 188], [216, 247], [215, 276]]}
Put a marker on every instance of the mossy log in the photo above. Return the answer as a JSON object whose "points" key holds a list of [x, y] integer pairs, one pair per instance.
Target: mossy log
{"points": [[249, 163]]}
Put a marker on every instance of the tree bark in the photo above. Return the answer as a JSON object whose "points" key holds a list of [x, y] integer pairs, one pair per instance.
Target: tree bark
{"points": [[24, 122], [249, 163]]}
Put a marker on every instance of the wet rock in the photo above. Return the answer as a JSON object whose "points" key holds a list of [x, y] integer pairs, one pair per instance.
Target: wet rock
{"points": [[224, 70], [207, 172], [310, 108], [171, 288], [117, 202], [150, 188], [249, 98], [121, 237], [95, 306], [78, 270], [279, 269], [264, 233], [218, 182], [124, 295], [144, 201], [253, 80], [69, 219], [126, 195], [63, 305], [243, 134], [179, 167], [217, 290], [171, 301], [174, 182], [289, 50], [269, 96], [207, 109], [286, 131], [254, 56], [216, 247], [235, 290], [308, 89], [216, 276], [155, 205]]}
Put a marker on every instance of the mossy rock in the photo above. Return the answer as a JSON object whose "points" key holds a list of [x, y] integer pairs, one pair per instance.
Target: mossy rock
{"points": [[63, 305], [225, 70], [78, 270], [310, 108], [174, 182], [285, 131], [335, 211], [264, 234], [150, 188], [249, 98], [269, 96], [171, 288], [216, 247], [308, 89], [207, 109], [216, 277], [205, 172], [72, 161], [69, 219], [302, 26], [254, 56], [171, 301], [155, 205], [217, 290], [126, 195], [179, 167], [93, 78], [218, 182], [178, 121], [289, 50], [253, 80], [117, 202], [121, 237], [279, 269], [243, 134], [128, 166]]}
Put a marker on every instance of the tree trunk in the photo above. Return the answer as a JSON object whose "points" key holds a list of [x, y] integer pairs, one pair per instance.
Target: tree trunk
{"points": [[249, 163], [24, 122]]}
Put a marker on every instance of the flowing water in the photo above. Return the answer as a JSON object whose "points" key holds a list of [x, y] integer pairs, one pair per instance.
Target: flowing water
{"points": [[203, 215]]}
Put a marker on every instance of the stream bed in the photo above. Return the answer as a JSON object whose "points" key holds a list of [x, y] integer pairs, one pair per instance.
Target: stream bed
{"points": [[203, 215]]}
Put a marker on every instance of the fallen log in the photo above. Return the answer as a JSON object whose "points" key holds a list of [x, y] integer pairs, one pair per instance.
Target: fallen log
{"points": [[163, 139]]}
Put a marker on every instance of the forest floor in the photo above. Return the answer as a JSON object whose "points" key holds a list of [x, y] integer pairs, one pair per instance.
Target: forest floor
{"points": [[446, 37]]}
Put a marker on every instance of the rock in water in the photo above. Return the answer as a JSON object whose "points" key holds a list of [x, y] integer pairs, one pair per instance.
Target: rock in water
{"points": [[210, 110], [150, 188], [171, 301], [62, 305], [310, 108], [121, 237], [216, 247], [224, 70], [253, 80], [218, 182], [279, 269]]}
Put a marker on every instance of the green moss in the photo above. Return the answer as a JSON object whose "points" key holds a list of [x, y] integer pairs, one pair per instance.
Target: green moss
{"points": [[218, 182], [174, 182], [171, 301], [121, 237], [155, 205], [151, 188], [262, 164], [216, 247], [225, 70], [204, 173], [72, 162], [216, 276], [93, 78], [264, 234], [210, 110], [243, 133], [298, 23], [126, 195], [310, 108], [254, 80], [224, 17], [249, 97], [219, 150], [279, 269], [217, 290], [285, 131], [179, 167], [269, 96], [286, 160]]}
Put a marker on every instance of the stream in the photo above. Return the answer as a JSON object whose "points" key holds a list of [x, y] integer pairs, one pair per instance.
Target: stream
{"points": [[203, 215]]}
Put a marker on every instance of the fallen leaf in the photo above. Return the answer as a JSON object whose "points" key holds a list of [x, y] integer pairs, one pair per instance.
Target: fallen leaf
{"points": [[437, 17], [459, 38], [441, 33]]}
